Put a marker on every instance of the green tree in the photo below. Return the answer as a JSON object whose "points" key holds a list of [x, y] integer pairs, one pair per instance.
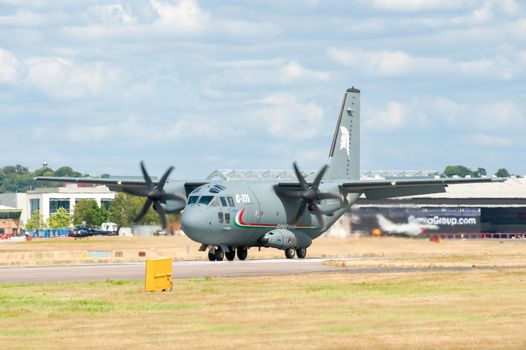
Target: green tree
{"points": [[88, 211], [44, 172], [67, 171], [502, 173], [36, 221], [59, 219], [17, 178], [479, 172], [458, 170], [125, 208]]}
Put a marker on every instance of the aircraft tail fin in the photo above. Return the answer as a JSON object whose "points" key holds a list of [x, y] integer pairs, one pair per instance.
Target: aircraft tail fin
{"points": [[344, 156]]}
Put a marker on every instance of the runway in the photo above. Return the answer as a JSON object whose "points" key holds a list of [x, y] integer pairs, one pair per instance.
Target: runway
{"points": [[181, 269], [200, 269]]}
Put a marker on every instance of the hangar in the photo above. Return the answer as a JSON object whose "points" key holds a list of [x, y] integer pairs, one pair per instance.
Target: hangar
{"points": [[488, 210]]}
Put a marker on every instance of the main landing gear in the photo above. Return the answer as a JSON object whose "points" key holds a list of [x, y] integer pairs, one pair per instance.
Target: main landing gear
{"points": [[217, 253], [300, 252]]}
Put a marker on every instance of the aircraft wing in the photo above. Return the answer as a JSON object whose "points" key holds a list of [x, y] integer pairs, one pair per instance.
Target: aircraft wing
{"points": [[379, 189], [114, 184], [118, 184]]}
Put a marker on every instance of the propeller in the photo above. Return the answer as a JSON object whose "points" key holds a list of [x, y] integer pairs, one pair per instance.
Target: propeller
{"points": [[310, 195], [155, 195]]}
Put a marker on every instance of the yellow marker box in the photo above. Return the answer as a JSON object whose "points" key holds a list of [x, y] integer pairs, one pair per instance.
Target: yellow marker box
{"points": [[158, 275]]}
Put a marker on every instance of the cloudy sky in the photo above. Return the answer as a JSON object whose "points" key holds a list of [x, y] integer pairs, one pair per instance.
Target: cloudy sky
{"points": [[203, 84]]}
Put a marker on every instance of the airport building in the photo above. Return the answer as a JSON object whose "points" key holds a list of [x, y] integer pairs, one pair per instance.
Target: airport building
{"points": [[9, 221], [49, 200], [479, 210]]}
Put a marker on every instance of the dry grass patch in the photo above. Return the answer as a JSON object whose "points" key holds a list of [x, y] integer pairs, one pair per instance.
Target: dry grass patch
{"points": [[447, 310]]}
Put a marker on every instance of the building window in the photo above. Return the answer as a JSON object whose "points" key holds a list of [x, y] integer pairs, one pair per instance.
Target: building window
{"points": [[105, 203], [34, 205], [56, 203]]}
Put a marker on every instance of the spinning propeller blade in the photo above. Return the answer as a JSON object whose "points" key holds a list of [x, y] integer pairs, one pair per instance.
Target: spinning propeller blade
{"points": [[155, 194], [310, 196]]}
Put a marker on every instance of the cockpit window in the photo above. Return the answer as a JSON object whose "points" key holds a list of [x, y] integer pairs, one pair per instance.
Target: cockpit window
{"points": [[205, 200], [231, 201], [215, 202], [193, 199], [223, 202], [217, 188]]}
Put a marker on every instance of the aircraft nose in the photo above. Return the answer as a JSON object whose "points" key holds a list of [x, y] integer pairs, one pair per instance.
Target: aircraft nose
{"points": [[192, 223]]}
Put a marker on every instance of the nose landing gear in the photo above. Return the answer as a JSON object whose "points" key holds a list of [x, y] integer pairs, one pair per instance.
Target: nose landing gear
{"points": [[215, 254], [231, 254]]}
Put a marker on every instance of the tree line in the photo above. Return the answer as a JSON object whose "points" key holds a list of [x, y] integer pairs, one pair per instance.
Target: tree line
{"points": [[18, 178], [463, 171]]}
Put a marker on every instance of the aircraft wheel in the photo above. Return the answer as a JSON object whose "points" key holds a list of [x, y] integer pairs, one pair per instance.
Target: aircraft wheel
{"points": [[231, 254], [219, 254], [242, 253], [290, 253], [301, 253], [212, 255]]}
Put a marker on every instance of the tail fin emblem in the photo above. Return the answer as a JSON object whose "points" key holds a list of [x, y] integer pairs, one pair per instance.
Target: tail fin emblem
{"points": [[344, 139]]}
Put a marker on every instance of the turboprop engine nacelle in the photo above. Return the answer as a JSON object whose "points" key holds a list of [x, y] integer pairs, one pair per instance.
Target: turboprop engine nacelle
{"points": [[173, 206], [285, 239]]}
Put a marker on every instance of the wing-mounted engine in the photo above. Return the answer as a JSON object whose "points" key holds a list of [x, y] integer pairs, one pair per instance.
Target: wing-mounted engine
{"points": [[157, 197], [285, 239], [309, 195]]}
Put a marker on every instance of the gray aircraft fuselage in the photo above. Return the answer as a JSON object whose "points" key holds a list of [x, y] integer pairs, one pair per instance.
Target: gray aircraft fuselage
{"points": [[240, 213]]}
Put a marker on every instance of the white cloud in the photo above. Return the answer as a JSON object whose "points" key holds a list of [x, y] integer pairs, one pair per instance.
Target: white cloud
{"points": [[294, 71], [392, 117], [417, 5], [509, 7], [114, 14], [172, 18], [396, 63], [496, 116], [186, 15], [490, 140], [387, 63], [10, 67], [285, 117], [264, 72], [56, 76], [59, 77], [22, 18], [500, 115]]}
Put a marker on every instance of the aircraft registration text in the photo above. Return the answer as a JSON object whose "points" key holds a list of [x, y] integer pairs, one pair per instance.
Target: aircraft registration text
{"points": [[242, 198]]}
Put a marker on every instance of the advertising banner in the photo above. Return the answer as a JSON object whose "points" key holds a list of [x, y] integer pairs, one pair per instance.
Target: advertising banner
{"points": [[439, 220]]}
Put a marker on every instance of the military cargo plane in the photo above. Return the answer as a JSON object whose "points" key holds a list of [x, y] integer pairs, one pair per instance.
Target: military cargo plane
{"points": [[229, 217]]}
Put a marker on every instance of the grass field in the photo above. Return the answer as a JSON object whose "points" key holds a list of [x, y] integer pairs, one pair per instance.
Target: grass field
{"points": [[470, 309], [433, 310]]}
